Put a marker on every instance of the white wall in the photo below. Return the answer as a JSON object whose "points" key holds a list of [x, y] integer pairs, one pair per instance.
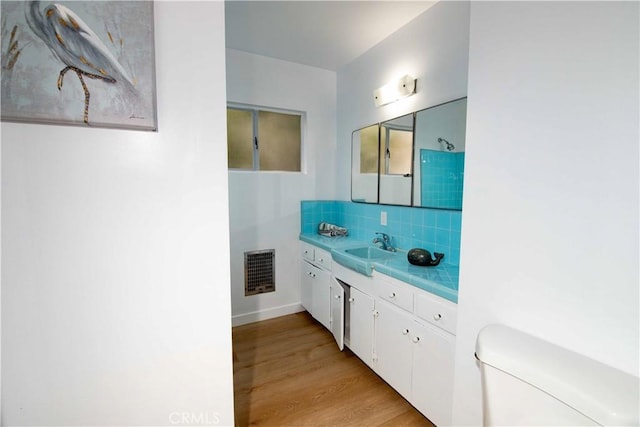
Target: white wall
{"points": [[115, 278], [432, 48], [265, 207], [395, 190], [550, 224]]}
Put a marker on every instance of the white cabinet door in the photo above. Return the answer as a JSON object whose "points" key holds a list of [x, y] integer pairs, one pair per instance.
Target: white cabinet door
{"points": [[306, 285], [393, 347], [432, 387], [321, 297], [361, 325], [337, 312]]}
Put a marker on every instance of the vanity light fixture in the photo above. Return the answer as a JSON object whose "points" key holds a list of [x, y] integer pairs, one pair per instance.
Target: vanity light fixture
{"points": [[395, 90]]}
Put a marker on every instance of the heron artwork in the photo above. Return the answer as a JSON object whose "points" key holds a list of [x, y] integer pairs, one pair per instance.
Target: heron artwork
{"points": [[77, 47]]}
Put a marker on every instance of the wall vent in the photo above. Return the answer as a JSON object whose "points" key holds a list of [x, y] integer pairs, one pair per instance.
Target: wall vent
{"points": [[259, 272]]}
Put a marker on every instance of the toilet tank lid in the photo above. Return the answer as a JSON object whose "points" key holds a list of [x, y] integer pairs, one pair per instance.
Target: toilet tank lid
{"points": [[607, 395]]}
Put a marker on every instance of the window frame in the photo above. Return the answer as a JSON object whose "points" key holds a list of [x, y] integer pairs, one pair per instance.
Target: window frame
{"points": [[255, 109], [385, 151]]}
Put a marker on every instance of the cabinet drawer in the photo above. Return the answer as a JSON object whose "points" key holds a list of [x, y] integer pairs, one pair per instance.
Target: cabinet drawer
{"points": [[323, 258], [311, 270], [398, 295], [440, 313], [307, 251]]}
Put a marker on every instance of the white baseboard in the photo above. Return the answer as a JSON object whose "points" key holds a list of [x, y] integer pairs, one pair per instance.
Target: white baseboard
{"points": [[270, 313]]}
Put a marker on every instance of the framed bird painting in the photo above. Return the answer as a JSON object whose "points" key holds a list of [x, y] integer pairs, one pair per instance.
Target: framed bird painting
{"points": [[84, 63]]}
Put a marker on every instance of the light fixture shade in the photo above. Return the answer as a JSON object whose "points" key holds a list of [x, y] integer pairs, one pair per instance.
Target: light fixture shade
{"points": [[395, 90]]}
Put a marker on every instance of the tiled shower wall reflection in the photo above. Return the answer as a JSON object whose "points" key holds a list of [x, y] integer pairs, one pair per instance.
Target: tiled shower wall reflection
{"points": [[442, 178], [432, 229]]}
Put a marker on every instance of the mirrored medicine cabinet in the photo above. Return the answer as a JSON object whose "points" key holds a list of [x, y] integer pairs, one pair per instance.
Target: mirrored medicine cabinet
{"points": [[413, 160]]}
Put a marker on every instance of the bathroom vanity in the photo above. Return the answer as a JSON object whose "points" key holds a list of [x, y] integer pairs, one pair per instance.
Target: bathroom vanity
{"points": [[398, 319]]}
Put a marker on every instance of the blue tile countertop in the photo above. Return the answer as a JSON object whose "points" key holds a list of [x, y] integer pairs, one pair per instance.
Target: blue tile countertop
{"points": [[441, 280]]}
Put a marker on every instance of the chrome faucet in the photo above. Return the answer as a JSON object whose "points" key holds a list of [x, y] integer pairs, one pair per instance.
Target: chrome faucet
{"points": [[385, 242]]}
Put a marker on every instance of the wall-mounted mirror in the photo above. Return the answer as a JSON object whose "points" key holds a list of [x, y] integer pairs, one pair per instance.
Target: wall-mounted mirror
{"points": [[413, 160], [364, 164], [439, 155], [396, 160]]}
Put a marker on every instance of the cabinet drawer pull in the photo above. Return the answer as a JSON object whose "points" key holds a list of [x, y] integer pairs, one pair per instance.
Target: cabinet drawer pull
{"points": [[321, 259], [416, 339], [337, 296], [392, 295], [405, 331], [437, 317], [352, 299]]}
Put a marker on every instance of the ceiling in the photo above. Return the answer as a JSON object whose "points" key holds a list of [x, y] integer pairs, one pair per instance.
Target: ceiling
{"points": [[324, 34]]}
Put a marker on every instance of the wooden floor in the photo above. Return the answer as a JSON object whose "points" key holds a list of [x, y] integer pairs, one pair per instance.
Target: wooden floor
{"points": [[289, 371]]}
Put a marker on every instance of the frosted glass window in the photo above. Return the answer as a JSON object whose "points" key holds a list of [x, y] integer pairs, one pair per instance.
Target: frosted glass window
{"points": [[264, 140], [279, 141], [240, 138], [400, 152], [369, 150], [396, 151]]}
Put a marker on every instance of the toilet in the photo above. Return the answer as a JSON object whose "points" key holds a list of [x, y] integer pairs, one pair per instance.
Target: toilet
{"points": [[527, 381]]}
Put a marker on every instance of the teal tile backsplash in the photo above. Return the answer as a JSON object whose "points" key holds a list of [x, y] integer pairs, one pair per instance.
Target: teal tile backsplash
{"points": [[432, 229]]}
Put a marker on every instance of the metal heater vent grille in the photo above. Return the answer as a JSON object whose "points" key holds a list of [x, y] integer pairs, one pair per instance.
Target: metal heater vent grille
{"points": [[259, 272]]}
